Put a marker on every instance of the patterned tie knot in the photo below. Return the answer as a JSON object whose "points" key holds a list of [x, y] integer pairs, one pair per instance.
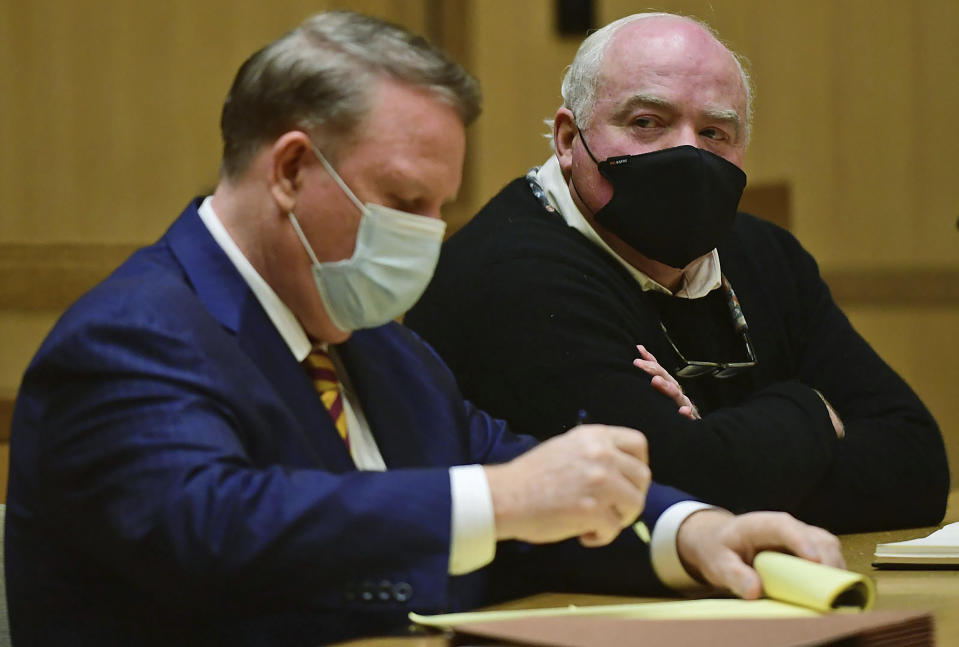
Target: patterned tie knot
{"points": [[320, 367]]}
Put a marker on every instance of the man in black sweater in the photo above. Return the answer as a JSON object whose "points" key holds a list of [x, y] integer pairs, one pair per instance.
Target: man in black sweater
{"points": [[556, 301]]}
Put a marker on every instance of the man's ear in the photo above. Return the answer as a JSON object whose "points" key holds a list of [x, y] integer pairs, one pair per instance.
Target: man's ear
{"points": [[564, 131], [288, 158]]}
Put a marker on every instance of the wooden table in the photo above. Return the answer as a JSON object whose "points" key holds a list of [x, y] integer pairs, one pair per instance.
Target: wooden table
{"points": [[935, 591]]}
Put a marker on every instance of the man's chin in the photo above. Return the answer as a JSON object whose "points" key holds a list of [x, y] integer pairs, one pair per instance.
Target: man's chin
{"points": [[323, 330], [333, 335]]}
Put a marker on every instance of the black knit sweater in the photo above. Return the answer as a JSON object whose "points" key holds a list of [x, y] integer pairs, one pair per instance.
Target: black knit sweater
{"points": [[538, 323]]}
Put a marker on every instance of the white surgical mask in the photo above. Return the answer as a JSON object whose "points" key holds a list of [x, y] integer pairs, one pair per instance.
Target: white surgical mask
{"points": [[395, 256]]}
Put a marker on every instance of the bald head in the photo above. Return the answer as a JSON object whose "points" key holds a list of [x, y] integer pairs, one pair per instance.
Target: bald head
{"points": [[649, 82], [658, 41]]}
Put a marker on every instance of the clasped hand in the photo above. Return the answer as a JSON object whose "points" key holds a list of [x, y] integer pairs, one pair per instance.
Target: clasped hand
{"points": [[666, 384]]}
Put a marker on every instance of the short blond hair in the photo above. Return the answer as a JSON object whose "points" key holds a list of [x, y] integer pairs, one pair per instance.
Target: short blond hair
{"points": [[320, 76]]}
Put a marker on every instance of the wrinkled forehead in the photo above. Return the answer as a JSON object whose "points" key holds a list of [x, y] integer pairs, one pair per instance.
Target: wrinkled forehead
{"points": [[670, 54]]}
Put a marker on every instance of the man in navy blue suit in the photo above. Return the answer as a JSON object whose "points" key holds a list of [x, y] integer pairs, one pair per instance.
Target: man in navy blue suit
{"points": [[179, 476]]}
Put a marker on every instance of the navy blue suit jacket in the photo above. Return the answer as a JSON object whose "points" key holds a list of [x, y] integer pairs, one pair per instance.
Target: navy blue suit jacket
{"points": [[175, 479]]}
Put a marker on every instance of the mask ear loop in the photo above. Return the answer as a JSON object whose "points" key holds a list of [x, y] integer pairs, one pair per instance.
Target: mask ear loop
{"points": [[585, 145], [579, 131], [336, 176], [306, 243]]}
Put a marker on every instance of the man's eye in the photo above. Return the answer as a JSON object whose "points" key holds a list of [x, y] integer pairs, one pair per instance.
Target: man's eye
{"points": [[714, 133], [409, 205], [645, 122]]}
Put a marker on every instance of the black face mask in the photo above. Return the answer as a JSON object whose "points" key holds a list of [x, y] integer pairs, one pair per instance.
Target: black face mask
{"points": [[672, 205]]}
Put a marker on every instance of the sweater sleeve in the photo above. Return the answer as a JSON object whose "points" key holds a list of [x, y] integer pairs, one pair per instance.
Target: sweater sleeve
{"points": [[539, 341], [890, 469], [537, 324]]}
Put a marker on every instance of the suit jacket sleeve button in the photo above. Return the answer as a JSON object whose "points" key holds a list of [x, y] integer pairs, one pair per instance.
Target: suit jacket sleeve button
{"points": [[366, 591], [402, 591], [383, 591]]}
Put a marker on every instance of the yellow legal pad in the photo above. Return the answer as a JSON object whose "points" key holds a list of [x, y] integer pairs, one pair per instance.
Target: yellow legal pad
{"points": [[794, 588]]}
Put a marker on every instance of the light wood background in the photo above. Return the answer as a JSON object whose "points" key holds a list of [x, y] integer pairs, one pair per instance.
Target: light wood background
{"points": [[109, 113]]}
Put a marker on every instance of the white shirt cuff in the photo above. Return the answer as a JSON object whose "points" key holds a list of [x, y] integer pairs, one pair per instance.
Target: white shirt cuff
{"points": [[473, 540], [663, 551]]}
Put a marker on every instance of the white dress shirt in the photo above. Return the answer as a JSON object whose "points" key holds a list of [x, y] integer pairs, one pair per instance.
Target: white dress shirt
{"points": [[473, 540]]}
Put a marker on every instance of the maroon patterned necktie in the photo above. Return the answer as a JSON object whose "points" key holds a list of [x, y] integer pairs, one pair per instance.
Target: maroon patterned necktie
{"points": [[321, 371]]}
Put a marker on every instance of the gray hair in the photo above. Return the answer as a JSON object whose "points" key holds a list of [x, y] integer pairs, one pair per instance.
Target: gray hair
{"points": [[582, 75], [321, 76]]}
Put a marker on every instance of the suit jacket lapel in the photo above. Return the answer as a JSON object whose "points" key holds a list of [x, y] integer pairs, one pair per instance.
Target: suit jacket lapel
{"points": [[228, 299], [259, 338], [386, 400]]}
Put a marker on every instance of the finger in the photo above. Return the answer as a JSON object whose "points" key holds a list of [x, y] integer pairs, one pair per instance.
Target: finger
{"points": [[653, 368], [828, 547], [590, 540], [595, 539], [795, 538], [728, 571], [663, 386], [620, 501], [647, 360], [635, 471], [650, 367], [605, 527], [646, 354], [781, 531], [671, 390], [631, 441], [664, 374]]}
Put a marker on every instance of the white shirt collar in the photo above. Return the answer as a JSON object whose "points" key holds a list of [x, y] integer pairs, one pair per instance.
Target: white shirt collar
{"points": [[281, 316], [700, 277]]}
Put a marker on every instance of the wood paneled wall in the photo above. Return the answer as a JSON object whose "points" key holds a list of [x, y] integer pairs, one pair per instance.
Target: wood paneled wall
{"points": [[109, 123], [111, 107]]}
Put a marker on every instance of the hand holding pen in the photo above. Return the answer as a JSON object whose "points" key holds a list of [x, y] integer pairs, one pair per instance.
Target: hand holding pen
{"points": [[590, 483], [582, 418]]}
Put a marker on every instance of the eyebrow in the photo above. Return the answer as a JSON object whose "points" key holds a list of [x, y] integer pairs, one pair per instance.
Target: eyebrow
{"points": [[724, 115], [420, 189], [643, 100]]}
